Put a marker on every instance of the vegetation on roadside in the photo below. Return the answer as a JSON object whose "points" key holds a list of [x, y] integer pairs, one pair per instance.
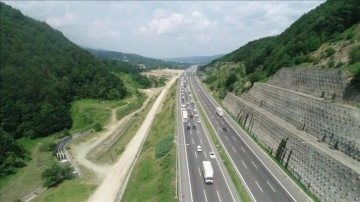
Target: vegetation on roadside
{"points": [[55, 173], [229, 167], [110, 153], [156, 177], [135, 104], [26, 179]]}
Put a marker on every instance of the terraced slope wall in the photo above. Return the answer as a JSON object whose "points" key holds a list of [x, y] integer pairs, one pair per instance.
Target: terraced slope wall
{"points": [[316, 140], [332, 84]]}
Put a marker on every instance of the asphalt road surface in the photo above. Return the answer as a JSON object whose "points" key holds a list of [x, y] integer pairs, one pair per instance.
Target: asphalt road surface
{"points": [[260, 180], [192, 134]]}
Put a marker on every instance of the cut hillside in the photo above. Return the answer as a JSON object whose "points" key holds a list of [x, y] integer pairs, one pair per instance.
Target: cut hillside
{"points": [[326, 37]]}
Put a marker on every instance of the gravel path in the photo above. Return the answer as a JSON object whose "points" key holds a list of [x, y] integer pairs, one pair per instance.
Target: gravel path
{"points": [[116, 175]]}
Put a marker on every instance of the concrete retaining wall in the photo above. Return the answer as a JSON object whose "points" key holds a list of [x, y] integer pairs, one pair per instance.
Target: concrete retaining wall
{"points": [[275, 115], [334, 124]]}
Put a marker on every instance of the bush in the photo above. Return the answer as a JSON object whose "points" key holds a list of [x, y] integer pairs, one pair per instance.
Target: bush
{"points": [[330, 51], [355, 55], [56, 173], [164, 146], [47, 146], [98, 126]]}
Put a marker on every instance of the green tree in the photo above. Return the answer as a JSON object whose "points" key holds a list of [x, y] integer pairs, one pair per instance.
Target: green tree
{"points": [[55, 173]]}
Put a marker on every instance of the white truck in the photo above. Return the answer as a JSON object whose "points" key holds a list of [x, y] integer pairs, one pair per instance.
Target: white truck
{"points": [[185, 115], [219, 111], [208, 172]]}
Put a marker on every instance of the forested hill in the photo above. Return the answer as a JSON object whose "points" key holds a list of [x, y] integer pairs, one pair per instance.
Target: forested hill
{"points": [[332, 26], [138, 60], [41, 73]]}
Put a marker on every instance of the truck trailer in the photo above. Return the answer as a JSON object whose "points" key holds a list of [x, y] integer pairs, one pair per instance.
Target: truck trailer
{"points": [[208, 172], [219, 111], [185, 115]]}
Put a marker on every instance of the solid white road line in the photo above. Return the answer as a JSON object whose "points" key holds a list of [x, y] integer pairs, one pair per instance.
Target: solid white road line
{"points": [[242, 149], [244, 164], [234, 149], [218, 195], [259, 186], [271, 186], [253, 153], [254, 164], [205, 195], [187, 165]]}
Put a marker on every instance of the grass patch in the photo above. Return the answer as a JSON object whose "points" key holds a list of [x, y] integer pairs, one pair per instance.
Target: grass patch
{"points": [[69, 190], [114, 151], [133, 105], [28, 178], [154, 179], [232, 172], [86, 113], [302, 186]]}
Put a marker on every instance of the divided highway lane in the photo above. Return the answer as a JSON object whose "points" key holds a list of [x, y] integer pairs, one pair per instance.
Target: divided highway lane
{"points": [[222, 188], [261, 183]]}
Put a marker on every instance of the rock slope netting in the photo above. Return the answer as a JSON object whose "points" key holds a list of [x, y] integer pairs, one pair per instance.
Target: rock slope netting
{"points": [[318, 141]]}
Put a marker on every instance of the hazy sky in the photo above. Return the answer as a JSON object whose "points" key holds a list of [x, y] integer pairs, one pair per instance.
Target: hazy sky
{"points": [[163, 29]]}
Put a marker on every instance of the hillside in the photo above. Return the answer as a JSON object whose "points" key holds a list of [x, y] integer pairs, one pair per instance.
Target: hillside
{"points": [[137, 60], [200, 60], [41, 73], [326, 37]]}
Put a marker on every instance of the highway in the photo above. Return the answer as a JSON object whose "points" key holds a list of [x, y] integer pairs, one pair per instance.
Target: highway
{"points": [[191, 134], [259, 178]]}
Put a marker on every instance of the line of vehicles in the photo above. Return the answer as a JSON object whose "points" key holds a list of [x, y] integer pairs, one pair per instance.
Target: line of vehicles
{"points": [[186, 104]]}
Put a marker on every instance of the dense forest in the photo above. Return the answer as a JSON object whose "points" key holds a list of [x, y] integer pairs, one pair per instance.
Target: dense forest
{"points": [[42, 72], [261, 58]]}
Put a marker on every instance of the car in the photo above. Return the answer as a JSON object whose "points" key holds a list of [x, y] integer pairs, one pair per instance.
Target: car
{"points": [[198, 148], [225, 129], [188, 128], [194, 127], [191, 116], [198, 121], [212, 155], [195, 110], [188, 108], [196, 114]]}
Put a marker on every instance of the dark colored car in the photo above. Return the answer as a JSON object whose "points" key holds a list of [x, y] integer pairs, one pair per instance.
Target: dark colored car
{"points": [[188, 128], [194, 127], [191, 116], [225, 129]]}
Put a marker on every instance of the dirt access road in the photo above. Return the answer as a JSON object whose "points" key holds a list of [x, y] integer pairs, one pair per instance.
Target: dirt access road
{"points": [[115, 175]]}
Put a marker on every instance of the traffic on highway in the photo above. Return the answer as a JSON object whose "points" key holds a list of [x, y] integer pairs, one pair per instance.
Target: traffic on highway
{"points": [[203, 176], [260, 181]]}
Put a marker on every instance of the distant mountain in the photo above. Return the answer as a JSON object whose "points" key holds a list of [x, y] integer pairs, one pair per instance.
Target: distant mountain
{"points": [[199, 60], [326, 37], [134, 59]]}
